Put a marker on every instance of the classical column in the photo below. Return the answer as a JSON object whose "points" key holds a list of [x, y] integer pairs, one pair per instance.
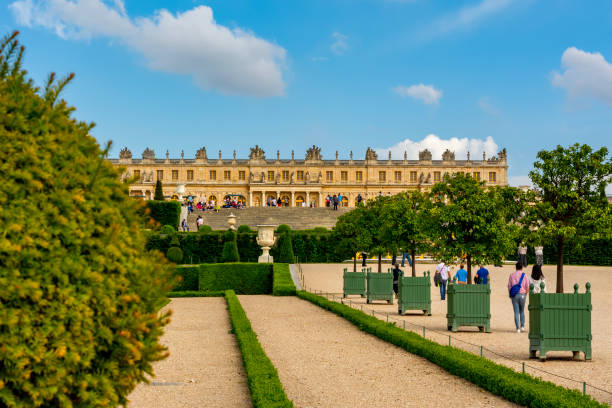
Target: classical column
{"points": [[320, 199], [293, 198], [250, 198], [263, 198], [307, 199]]}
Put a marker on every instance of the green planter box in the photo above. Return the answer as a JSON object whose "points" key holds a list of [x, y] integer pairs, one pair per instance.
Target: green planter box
{"points": [[469, 305], [559, 322], [354, 283], [380, 286], [414, 293]]}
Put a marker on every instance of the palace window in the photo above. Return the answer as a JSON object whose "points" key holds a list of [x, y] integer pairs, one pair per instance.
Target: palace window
{"points": [[492, 177], [476, 175], [413, 176], [329, 176], [213, 174], [300, 175], [285, 175], [189, 175], [344, 175], [241, 175], [397, 176], [271, 175], [137, 174], [227, 175], [359, 176], [382, 176], [436, 176], [174, 174], [160, 174]]}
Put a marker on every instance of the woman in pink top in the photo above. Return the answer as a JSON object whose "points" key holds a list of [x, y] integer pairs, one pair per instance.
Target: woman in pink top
{"points": [[518, 300]]}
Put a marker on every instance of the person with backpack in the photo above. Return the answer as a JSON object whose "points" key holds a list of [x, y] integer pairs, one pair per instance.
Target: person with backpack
{"points": [[518, 287]]}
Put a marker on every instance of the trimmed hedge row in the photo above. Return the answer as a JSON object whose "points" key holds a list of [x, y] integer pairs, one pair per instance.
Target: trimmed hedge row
{"points": [[521, 389], [282, 284], [266, 388], [164, 212], [194, 293], [199, 248], [186, 278], [243, 278]]}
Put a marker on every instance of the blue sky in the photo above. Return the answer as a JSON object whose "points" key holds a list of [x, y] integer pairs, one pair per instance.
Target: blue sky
{"points": [[342, 74]]}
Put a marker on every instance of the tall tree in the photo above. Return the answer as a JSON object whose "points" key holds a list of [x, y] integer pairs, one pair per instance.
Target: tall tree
{"points": [[404, 223], [471, 221], [571, 204], [159, 193]]}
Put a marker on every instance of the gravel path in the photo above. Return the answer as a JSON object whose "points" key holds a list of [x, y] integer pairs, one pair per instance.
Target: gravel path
{"points": [[325, 361], [204, 368], [504, 339]]}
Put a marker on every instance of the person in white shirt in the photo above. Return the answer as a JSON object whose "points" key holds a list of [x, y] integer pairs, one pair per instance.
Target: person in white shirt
{"points": [[539, 253], [442, 269]]}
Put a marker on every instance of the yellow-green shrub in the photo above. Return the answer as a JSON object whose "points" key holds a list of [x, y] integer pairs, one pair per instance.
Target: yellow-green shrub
{"points": [[79, 294]]}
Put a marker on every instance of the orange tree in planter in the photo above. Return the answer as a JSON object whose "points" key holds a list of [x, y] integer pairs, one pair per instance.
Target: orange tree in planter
{"points": [[79, 295]]}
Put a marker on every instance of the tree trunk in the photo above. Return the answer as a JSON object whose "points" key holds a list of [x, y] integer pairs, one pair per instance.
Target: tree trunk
{"points": [[379, 263], [469, 271], [355, 263], [560, 245], [412, 253]]}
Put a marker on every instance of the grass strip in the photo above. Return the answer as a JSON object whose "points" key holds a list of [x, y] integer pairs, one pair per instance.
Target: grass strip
{"points": [[195, 293], [498, 379], [266, 388], [282, 284]]}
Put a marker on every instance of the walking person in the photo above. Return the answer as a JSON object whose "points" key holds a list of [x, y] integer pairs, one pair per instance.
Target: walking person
{"points": [[518, 287], [539, 253], [335, 201], [406, 255], [396, 273], [537, 277], [461, 275], [199, 222], [482, 275], [522, 254], [442, 269]]}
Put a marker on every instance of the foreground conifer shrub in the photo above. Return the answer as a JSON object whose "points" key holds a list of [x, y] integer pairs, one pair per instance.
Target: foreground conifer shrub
{"points": [[79, 295]]}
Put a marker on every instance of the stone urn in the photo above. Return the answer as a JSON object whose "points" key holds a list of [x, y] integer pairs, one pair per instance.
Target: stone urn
{"points": [[231, 220], [265, 239]]}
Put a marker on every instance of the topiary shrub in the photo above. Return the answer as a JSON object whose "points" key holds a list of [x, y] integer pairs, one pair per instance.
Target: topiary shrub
{"points": [[159, 193], [285, 249], [282, 229], [230, 248], [244, 229], [174, 254], [174, 241], [79, 294], [164, 212], [167, 229], [205, 229]]}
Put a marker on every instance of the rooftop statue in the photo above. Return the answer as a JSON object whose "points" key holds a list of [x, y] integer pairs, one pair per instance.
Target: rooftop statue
{"points": [[313, 153], [425, 155], [371, 154], [148, 154], [257, 153], [201, 154], [125, 153], [448, 155]]}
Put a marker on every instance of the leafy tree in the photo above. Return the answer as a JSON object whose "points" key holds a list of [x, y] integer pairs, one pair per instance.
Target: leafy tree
{"points": [[471, 222], [404, 223], [80, 296], [356, 229], [230, 248], [571, 204], [159, 192], [285, 249]]}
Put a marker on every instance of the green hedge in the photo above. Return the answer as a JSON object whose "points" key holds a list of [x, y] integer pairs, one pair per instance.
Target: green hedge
{"points": [[282, 284], [243, 278], [521, 389], [266, 388], [194, 293], [165, 212], [308, 246], [186, 278]]}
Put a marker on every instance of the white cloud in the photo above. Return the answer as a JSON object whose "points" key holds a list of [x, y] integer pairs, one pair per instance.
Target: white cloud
{"points": [[467, 16], [437, 146], [232, 61], [426, 93], [517, 181], [585, 75], [487, 107], [340, 45]]}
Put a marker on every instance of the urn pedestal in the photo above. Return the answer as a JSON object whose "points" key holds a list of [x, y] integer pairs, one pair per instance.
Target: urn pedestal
{"points": [[265, 239]]}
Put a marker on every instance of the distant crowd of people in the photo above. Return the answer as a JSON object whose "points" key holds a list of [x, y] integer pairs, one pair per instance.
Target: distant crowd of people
{"points": [[229, 202]]}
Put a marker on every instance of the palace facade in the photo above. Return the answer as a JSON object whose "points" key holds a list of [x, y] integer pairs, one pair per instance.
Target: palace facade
{"points": [[308, 181]]}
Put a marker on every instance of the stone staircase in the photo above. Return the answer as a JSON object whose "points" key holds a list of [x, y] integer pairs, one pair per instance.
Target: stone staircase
{"points": [[296, 217]]}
